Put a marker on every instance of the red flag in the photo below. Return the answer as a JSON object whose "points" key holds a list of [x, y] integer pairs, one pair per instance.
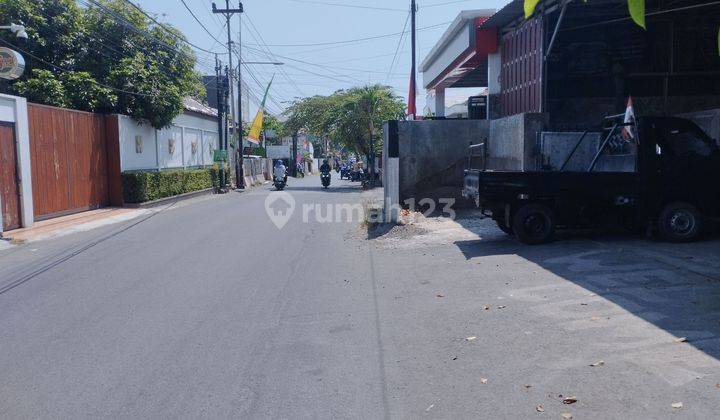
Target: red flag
{"points": [[412, 110]]}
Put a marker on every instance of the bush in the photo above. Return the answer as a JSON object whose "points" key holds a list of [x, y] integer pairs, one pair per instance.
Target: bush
{"points": [[140, 187]]}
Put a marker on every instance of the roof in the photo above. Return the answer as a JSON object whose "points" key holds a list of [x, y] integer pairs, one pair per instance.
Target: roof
{"points": [[460, 21], [193, 105], [507, 14]]}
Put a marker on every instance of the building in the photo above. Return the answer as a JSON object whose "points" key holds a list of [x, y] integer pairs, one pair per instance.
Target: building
{"points": [[577, 61], [551, 77], [56, 161]]}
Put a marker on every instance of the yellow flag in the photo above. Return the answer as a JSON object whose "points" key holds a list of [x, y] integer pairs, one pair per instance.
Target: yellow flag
{"points": [[256, 127]]}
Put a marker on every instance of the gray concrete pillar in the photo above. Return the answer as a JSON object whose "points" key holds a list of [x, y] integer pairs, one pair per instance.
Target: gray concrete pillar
{"points": [[439, 102]]}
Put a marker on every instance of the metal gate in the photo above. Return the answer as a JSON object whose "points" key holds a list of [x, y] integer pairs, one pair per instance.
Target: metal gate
{"points": [[69, 161], [521, 77], [9, 190]]}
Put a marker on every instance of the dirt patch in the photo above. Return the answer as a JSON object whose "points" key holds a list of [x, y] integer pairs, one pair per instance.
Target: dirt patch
{"points": [[416, 230]]}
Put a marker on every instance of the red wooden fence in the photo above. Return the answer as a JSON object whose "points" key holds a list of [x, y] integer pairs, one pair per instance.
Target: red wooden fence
{"points": [[69, 160]]}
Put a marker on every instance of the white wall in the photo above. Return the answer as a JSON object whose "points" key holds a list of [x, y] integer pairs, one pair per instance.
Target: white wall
{"points": [[13, 109], [192, 139], [171, 147], [129, 157]]}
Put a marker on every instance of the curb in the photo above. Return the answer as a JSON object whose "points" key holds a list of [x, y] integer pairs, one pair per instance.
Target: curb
{"points": [[167, 200]]}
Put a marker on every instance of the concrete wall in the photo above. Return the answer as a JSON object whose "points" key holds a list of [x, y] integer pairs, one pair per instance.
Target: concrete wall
{"points": [[13, 109], [432, 155], [513, 142], [188, 142]]}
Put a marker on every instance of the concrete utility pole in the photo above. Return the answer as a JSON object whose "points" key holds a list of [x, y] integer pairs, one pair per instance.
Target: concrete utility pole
{"points": [[228, 12], [220, 96], [413, 29]]}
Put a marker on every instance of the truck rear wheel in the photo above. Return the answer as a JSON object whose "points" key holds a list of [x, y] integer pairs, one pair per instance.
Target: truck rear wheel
{"points": [[679, 222], [534, 224]]}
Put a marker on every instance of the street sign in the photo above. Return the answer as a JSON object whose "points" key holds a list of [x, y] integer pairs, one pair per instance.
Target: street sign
{"points": [[12, 64], [220, 155]]}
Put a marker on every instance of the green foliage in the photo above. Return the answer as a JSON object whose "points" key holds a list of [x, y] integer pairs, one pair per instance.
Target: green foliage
{"points": [[141, 187], [637, 12], [271, 122], [350, 118], [102, 60], [82, 91], [43, 87], [529, 7]]}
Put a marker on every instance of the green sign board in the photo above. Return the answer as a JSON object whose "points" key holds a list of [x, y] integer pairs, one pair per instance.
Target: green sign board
{"points": [[220, 155]]}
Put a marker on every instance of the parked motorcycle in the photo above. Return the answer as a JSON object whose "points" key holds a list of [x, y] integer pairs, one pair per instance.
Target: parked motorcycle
{"points": [[325, 179]]}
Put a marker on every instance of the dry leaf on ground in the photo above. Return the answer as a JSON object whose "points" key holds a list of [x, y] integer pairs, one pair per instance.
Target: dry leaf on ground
{"points": [[677, 405], [598, 363], [717, 385], [487, 307], [483, 380], [540, 408], [570, 400]]}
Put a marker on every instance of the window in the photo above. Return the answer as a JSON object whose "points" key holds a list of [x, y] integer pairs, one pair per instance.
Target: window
{"points": [[688, 143]]}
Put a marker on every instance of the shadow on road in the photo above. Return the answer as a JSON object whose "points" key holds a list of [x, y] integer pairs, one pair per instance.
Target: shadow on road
{"points": [[675, 287]]}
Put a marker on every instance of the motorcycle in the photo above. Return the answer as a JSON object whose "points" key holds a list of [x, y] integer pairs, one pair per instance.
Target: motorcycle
{"points": [[325, 179], [344, 172], [279, 183]]}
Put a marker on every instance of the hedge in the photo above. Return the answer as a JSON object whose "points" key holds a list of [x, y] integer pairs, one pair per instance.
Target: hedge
{"points": [[140, 187]]}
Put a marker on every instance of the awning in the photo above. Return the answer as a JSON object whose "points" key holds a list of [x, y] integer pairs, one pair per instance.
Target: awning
{"points": [[461, 52]]}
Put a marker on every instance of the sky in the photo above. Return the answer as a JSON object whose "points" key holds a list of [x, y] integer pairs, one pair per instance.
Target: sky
{"points": [[308, 36]]}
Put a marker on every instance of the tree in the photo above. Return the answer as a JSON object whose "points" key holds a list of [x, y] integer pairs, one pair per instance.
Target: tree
{"points": [[108, 57], [271, 122], [351, 118]]}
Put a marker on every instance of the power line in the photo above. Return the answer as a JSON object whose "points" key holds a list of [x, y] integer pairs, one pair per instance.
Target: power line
{"points": [[354, 6], [352, 41], [200, 23], [59, 68], [271, 55], [175, 35], [124, 22], [392, 64], [444, 3]]}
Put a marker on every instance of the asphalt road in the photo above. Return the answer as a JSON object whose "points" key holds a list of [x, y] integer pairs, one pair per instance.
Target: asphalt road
{"points": [[208, 310]]}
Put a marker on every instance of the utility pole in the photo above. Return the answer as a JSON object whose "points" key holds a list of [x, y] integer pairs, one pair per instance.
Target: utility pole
{"points": [[228, 12], [294, 155], [413, 29], [220, 96], [226, 92]]}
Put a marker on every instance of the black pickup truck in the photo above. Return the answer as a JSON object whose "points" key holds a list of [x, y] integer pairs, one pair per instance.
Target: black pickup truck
{"points": [[672, 189]]}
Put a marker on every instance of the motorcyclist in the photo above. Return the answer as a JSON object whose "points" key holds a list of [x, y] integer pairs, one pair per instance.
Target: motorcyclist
{"points": [[280, 171], [325, 167]]}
